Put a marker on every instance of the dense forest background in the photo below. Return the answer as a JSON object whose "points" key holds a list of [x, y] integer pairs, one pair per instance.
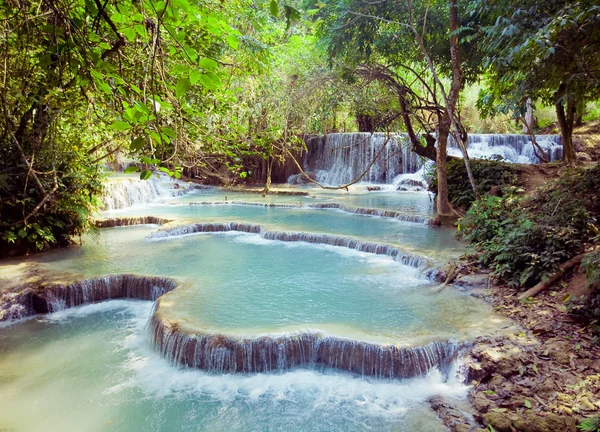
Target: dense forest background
{"points": [[206, 89]]}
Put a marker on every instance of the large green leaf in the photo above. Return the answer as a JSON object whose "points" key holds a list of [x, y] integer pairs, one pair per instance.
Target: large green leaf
{"points": [[183, 85], [120, 126], [233, 41], [145, 175], [273, 8]]}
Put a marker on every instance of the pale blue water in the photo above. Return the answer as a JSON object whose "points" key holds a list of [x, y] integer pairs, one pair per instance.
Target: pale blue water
{"points": [[416, 237], [244, 284], [92, 368]]}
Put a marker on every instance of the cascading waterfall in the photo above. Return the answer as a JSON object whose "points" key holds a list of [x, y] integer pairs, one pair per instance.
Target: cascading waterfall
{"points": [[129, 221], [339, 158], [220, 353], [326, 239], [126, 192], [224, 354], [509, 147], [57, 297]]}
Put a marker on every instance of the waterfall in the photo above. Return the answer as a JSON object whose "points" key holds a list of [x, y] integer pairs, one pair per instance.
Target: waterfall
{"points": [[339, 158], [509, 147], [285, 236], [129, 221], [224, 354], [56, 297], [127, 192]]}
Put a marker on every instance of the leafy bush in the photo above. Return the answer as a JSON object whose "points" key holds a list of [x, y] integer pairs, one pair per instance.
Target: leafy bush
{"points": [[525, 239], [591, 424], [487, 173]]}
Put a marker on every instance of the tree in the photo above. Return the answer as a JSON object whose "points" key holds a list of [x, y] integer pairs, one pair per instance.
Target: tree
{"points": [[86, 80], [542, 51], [414, 49]]}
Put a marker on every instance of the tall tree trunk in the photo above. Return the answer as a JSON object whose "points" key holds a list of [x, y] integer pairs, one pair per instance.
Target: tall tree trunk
{"points": [[459, 133], [443, 204], [566, 121]]}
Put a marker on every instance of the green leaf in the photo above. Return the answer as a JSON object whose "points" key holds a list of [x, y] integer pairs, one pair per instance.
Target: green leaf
{"points": [[145, 175], [291, 15], [195, 76], [168, 132], [233, 41], [208, 63], [130, 34], [273, 8], [527, 403], [131, 169], [120, 126], [183, 85], [137, 144]]}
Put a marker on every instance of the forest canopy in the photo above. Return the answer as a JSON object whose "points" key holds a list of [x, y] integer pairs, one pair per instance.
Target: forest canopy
{"points": [[215, 90]]}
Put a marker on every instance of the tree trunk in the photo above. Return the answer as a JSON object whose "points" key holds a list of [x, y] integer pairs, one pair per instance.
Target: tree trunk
{"points": [[443, 204], [566, 121], [429, 151], [459, 133], [529, 118]]}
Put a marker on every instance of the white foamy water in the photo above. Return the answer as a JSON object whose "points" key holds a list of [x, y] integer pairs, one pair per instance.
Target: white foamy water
{"points": [[97, 358], [129, 191]]}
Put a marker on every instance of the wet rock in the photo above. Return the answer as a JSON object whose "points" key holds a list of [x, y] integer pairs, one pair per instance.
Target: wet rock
{"points": [[583, 157], [453, 418], [301, 179], [436, 221], [473, 281], [498, 420], [411, 185], [373, 188], [480, 402], [530, 421]]}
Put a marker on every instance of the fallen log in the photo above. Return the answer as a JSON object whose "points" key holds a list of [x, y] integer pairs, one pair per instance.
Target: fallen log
{"points": [[564, 267]]}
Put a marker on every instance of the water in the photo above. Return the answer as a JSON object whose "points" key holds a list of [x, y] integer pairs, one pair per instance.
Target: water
{"points": [[330, 330], [511, 148], [124, 191], [91, 369], [340, 158], [416, 237]]}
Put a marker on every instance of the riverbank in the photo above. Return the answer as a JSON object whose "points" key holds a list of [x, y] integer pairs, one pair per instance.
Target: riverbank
{"points": [[546, 378]]}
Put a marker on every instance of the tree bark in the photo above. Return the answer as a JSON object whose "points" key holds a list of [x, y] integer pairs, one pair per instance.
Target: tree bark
{"points": [[459, 133], [566, 121], [429, 151], [443, 204], [529, 119]]}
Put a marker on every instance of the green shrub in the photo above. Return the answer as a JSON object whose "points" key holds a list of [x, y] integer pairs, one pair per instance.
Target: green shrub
{"points": [[487, 173], [591, 424], [524, 239]]}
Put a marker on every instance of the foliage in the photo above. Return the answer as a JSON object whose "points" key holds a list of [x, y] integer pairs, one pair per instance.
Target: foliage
{"points": [[488, 174], [153, 80], [525, 239], [591, 424], [543, 51]]}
